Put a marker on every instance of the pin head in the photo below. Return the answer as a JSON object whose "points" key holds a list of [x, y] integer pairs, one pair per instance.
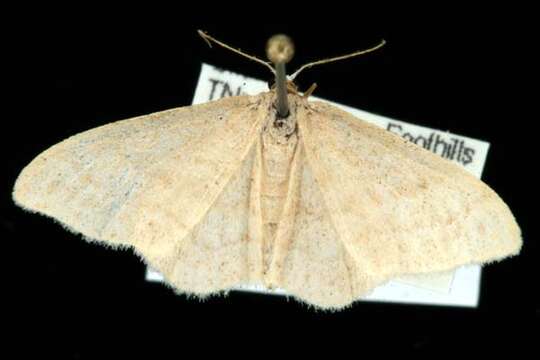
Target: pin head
{"points": [[280, 49]]}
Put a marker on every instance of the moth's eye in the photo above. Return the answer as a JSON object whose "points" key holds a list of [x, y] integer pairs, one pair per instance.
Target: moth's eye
{"points": [[280, 48]]}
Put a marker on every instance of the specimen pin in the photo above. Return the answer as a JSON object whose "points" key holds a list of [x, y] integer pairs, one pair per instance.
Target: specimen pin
{"points": [[280, 50]]}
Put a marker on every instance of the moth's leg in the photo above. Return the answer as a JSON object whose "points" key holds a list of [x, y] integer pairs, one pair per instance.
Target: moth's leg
{"points": [[310, 90]]}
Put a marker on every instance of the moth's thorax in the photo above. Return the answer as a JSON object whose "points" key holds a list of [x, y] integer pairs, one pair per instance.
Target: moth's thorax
{"points": [[283, 127]]}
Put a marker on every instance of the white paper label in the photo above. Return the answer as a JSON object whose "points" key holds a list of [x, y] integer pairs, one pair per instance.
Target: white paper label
{"points": [[459, 287]]}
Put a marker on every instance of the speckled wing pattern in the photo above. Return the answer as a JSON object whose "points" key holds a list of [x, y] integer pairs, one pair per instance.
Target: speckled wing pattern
{"points": [[326, 207], [393, 207], [150, 183]]}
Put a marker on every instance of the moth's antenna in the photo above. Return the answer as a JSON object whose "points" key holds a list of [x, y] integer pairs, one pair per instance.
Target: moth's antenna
{"points": [[208, 38], [343, 57], [280, 50]]}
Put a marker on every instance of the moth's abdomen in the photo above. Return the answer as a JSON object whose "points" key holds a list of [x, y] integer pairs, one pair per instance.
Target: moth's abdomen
{"points": [[277, 157]]}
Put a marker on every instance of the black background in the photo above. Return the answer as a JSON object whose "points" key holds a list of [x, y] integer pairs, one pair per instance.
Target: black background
{"points": [[70, 70]]}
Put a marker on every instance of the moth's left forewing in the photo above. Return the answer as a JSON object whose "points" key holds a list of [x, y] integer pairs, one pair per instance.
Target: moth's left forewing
{"points": [[398, 208], [144, 182]]}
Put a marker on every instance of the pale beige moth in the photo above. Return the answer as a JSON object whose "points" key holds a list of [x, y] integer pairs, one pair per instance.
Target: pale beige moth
{"points": [[319, 203]]}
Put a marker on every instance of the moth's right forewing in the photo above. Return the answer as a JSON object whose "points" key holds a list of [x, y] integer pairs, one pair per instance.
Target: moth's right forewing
{"points": [[398, 208]]}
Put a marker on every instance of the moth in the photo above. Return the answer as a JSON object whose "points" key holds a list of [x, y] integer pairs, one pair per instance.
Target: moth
{"points": [[271, 189]]}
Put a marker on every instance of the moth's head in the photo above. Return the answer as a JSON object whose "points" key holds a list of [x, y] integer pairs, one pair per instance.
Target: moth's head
{"points": [[280, 50]]}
